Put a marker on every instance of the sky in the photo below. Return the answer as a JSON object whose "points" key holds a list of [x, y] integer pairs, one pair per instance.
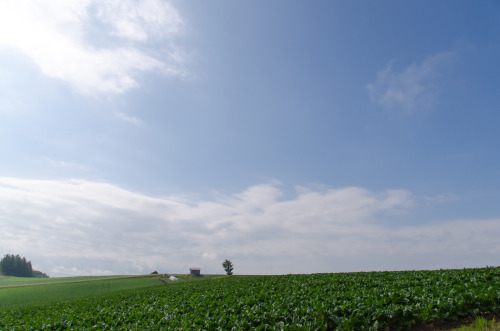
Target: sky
{"points": [[285, 136]]}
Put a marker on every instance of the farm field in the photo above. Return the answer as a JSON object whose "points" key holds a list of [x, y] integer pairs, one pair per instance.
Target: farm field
{"points": [[8, 281], [16, 291], [343, 301]]}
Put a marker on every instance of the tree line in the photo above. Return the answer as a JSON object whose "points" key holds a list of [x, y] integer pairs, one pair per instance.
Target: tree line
{"points": [[11, 265]]}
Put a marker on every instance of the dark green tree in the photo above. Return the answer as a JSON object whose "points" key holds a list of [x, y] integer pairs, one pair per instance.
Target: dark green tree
{"points": [[39, 274], [228, 266], [12, 265], [7, 265]]}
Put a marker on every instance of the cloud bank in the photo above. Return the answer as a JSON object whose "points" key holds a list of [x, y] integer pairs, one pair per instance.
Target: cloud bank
{"points": [[95, 46], [415, 88], [80, 227]]}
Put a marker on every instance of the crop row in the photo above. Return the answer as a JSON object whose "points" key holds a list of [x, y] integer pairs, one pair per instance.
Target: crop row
{"points": [[351, 301]]}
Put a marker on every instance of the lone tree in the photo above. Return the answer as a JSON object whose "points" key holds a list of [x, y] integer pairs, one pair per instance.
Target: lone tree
{"points": [[228, 266]]}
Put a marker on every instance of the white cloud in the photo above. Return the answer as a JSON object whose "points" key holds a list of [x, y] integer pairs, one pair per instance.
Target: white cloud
{"points": [[74, 271], [208, 256], [140, 20], [7, 105], [95, 46], [93, 227], [415, 88]]}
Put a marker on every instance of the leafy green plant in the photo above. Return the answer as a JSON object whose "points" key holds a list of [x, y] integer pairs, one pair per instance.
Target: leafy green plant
{"points": [[349, 301]]}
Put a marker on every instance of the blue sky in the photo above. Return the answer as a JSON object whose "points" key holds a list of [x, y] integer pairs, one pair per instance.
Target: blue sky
{"points": [[288, 137]]}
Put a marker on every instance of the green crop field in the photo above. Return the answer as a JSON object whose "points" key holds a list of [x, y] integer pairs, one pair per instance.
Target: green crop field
{"points": [[344, 301], [16, 291], [25, 281]]}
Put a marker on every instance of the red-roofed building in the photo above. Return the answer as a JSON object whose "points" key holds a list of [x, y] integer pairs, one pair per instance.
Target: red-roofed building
{"points": [[195, 271]]}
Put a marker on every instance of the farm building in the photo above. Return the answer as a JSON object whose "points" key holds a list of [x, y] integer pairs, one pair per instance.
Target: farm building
{"points": [[195, 271]]}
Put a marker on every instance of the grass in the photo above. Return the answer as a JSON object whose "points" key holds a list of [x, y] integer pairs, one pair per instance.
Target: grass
{"points": [[27, 281], [27, 291], [481, 324], [23, 291]]}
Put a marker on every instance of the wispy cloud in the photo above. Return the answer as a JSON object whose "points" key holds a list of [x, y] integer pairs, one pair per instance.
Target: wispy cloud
{"points": [[62, 225], [208, 256], [130, 119], [414, 88], [65, 164], [442, 198], [95, 46]]}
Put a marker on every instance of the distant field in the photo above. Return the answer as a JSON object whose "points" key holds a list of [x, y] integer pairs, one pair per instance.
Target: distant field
{"points": [[23, 281], [16, 291]]}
